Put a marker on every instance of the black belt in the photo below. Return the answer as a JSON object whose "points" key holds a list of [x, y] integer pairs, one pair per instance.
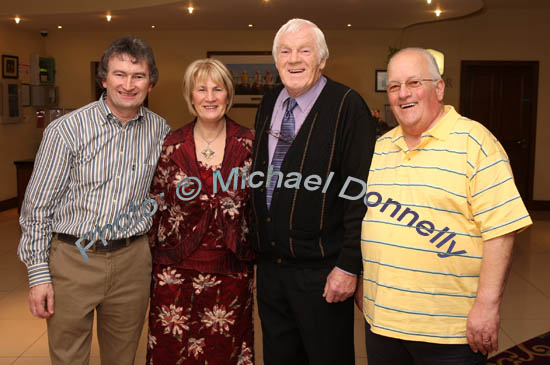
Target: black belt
{"points": [[98, 246]]}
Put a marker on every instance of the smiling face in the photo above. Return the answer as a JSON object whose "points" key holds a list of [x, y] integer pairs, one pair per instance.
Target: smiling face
{"points": [[209, 100], [416, 109], [297, 61], [127, 84]]}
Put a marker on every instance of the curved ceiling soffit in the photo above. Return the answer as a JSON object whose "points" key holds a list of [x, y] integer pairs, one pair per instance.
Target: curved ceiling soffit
{"points": [[38, 7], [482, 9], [477, 10]]}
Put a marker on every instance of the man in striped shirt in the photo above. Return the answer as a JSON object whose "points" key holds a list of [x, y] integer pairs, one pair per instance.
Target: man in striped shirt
{"points": [[438, 234], [95, 165]]}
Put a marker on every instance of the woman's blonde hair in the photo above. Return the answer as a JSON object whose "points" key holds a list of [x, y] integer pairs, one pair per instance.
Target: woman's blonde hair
{"points": [[202, 70]]}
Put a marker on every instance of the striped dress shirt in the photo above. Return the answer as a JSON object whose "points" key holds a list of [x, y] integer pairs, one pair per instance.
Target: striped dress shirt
{"points": [[90, 169]]}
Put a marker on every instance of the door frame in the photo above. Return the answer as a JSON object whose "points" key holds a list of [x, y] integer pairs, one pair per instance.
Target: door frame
{"points": [[534, 66]]}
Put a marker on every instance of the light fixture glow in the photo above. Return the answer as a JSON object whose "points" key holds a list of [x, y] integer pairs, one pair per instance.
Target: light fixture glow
{"points": [[437, 12], [17, 19], [59, 27], [190, 9], [152, 27], [349, 25], [429, 1], [250, 25], [108, 16]]}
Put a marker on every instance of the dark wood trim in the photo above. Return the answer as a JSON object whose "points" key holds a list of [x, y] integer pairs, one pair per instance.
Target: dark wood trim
{"points": [[534, 65], [8, 204], [539, 204]]}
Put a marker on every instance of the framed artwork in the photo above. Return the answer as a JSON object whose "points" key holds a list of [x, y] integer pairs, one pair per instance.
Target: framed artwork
{"points": [[10, 67], [380, 81], [44, 96], [254, 73], [11, 102], [25, 95]]}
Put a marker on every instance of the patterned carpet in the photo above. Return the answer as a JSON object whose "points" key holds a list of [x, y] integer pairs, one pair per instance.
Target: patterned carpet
{"points": [[535, 351]]}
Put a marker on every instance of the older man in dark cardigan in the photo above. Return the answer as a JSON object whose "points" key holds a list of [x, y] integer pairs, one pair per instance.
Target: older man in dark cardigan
{"points": [[312, 135]]}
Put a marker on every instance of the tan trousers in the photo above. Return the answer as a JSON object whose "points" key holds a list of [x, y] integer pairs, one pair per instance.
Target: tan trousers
{"points": [[116, 285]]}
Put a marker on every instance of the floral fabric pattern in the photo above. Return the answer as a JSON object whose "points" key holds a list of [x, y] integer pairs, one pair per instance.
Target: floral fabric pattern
{"points": [[200, 318], [201, 293], [209, 232]]}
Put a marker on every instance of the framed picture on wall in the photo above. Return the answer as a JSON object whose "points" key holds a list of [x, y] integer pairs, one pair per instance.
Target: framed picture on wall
{"points": [[10, 67], [253, 72], [380, 81], [25, 95], [11, 102]]}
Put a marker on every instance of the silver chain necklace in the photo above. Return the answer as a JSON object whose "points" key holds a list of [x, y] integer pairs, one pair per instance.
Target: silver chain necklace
{"points": [[207, 152]]}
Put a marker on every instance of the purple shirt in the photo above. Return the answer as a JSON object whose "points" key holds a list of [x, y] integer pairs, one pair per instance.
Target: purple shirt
{"points": [[305, 103]]}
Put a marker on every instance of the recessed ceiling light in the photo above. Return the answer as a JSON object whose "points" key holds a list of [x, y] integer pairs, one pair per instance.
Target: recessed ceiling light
{"points": [[349, 25], [190, 9], [17, 19], [429, 1], [59, 27], [437, 12], [152, 27], [250, 25], [108, 17]]}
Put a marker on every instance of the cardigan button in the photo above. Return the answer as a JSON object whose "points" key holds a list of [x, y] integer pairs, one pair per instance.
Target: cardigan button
{"points": [[268, 220], [279, 260], [273, 243], [264, 162]]}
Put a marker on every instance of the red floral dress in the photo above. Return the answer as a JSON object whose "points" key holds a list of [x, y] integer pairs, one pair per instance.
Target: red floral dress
{"points": [[201, 293]]}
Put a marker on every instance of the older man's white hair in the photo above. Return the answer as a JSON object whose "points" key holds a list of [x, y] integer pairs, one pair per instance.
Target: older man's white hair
{"points": [[295, 25], [433, 69]]}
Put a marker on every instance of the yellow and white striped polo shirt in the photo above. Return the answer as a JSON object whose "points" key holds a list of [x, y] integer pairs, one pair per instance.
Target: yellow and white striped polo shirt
{"points": [[429, 211]]}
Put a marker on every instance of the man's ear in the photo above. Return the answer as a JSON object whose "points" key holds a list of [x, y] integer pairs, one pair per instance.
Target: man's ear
{"points": [[322, 64], [440, 89]]}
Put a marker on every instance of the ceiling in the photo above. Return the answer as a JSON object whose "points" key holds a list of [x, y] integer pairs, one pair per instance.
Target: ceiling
{"points": [[139, 15]]}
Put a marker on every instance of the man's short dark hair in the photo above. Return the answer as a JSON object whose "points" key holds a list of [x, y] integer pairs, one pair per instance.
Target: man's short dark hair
{"points": [[133, 47]]}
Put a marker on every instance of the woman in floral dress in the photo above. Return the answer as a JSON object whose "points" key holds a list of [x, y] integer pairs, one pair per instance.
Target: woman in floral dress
{"points": [[201, 295]]}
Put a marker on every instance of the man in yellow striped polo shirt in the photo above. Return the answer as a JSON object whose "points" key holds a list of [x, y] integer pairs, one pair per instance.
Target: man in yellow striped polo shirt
{"points": [[438, 235]]}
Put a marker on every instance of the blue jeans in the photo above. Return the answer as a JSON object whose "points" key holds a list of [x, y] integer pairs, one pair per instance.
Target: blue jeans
{"points": [[382, 350]]}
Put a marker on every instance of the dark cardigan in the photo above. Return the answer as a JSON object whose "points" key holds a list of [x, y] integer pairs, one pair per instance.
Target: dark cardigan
{"points": [[312, 228]]}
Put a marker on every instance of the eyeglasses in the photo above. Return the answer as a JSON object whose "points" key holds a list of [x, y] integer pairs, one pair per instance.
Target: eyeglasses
{"points": [[278, 135], [411, 84]]}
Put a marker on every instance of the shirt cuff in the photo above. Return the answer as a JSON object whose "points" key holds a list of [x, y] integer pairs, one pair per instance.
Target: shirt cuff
{"points": [[344, 271], [39, 274]]}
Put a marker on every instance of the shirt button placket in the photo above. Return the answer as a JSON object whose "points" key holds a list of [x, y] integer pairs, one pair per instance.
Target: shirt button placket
{"points": [[122, 137]]}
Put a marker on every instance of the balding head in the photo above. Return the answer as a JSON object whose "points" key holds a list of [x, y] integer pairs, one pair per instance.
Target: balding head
{"points": [[433, 69], [415, 92]]}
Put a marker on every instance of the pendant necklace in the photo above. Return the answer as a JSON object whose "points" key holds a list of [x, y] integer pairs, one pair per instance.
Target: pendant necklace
{"points": [[207, 152]]}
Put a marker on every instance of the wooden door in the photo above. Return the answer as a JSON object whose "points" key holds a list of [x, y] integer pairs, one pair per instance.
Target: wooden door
{"points": [[502, 95]]}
